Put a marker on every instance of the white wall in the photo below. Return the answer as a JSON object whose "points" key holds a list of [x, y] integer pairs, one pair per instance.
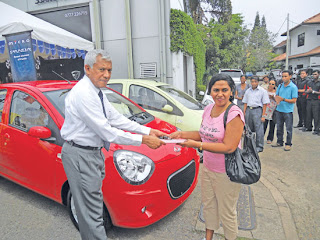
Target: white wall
{"points": [[312, 40], [180, 77], [191, 77], [305, 61], [114, 35], [177, 70]]}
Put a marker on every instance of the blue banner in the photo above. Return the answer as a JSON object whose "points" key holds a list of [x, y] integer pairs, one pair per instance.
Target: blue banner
{"points": [[47, 48], [53, 49], [21, 57], [40, 46], [2, 46], [63, 52], [34, 45]]}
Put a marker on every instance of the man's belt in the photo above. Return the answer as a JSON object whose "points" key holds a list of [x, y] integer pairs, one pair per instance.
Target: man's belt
{"points": [[72, 143], [254, 107]]}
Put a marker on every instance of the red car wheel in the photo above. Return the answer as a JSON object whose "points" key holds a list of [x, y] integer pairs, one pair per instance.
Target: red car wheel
{"points": [[74, 217]]}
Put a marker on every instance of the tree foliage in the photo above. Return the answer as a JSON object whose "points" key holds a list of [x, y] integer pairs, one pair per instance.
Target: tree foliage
{"points": [[258, 47], [220, 10], [224, 43], [185, 37], [256, 21]]}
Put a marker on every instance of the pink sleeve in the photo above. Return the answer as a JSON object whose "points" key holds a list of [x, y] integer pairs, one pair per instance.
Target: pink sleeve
{"points": [[233, 112]]}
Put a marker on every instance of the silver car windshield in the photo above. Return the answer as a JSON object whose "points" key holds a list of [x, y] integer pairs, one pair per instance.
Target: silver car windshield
{"points": [[121, 104], [182, 97]]}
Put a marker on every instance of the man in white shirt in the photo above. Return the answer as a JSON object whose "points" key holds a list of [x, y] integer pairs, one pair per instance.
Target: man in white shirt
{"points": [[90, 123], [255, 103]]}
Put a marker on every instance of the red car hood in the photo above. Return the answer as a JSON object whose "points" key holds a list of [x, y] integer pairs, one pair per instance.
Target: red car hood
{"points": [[163, 153]]}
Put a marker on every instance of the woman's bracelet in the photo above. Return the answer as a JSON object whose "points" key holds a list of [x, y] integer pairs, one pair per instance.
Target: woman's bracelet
{"points": [[200, 148]]}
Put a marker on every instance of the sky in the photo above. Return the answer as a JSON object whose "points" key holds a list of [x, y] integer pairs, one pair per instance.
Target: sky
{"points": [[275, 12]]}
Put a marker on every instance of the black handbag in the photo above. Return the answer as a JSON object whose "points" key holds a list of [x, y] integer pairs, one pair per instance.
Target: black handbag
{"points": [[243, 165]]}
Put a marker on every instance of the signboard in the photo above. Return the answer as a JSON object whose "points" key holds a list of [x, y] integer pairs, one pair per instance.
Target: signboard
{"points": [[21, 56], [75, 20]]}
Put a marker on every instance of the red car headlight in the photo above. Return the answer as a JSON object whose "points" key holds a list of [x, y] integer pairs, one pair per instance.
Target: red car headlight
{"points": [[133, 167]]}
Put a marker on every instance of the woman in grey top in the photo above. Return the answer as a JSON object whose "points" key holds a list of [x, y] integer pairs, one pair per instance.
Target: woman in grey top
{"points": [[240, 90]]}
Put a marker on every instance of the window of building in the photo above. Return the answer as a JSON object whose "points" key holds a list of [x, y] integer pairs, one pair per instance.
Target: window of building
{"points": [[318, 32], [299, 66], [301, 39]]}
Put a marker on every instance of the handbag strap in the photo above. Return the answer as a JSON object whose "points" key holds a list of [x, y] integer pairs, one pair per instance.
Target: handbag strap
{"points": [[226, 115]]}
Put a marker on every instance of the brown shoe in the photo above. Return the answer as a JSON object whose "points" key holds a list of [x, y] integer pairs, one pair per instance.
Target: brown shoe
{"points": [[287, 148]]}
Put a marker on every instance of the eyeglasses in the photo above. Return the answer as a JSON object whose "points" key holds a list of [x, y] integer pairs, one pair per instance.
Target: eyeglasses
{"points": [[271, 83], [314, 74]]}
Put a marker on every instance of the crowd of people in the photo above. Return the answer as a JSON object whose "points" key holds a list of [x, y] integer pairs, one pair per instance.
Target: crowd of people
{"points": [[308, 102], [271, 103]]}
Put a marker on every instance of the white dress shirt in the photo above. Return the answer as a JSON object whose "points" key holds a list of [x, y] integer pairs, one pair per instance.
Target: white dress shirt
{"points": [[86, 125], [256, 97]]}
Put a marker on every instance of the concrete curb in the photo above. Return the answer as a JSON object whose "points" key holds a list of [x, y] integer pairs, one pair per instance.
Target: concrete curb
{"points": [[288, 224]]}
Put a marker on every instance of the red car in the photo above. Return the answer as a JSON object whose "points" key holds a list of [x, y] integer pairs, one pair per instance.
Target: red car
{"points": [[141, 185]]}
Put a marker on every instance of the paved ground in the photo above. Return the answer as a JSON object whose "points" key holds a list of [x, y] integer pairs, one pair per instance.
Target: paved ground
{"points": [[286, 204]]}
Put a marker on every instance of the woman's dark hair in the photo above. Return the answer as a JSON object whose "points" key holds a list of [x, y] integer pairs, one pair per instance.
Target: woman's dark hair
{"points": [[275, 82], [223, 77]]}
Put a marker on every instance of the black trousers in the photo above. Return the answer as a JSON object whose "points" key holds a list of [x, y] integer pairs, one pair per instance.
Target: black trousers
{"points": [[302, 110], [272, 124], [313, 108]]}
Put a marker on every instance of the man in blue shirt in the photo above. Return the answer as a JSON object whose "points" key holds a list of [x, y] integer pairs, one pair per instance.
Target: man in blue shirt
{"points": [[286, 97]]}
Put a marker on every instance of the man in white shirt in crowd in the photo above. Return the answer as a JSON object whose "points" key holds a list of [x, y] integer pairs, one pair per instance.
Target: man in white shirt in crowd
{"points": [[91, 122], [255, 102]]}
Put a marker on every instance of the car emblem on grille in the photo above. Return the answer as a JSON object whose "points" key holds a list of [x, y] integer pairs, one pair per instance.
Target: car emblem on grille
{"points": [[176, 149], [75, 74]]}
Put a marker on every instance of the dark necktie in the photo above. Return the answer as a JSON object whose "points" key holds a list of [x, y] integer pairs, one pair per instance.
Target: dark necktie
{"points": [[105, 143]]}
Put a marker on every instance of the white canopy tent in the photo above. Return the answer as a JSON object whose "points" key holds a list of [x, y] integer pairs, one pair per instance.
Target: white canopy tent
{"points": [[44, 34]]}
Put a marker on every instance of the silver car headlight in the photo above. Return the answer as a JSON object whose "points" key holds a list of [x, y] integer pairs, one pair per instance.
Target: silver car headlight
{"points": [[133, 167]]}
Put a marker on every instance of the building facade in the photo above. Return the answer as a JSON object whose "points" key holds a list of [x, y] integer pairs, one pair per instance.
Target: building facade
{"points": [[136, 33], [304, 45]]}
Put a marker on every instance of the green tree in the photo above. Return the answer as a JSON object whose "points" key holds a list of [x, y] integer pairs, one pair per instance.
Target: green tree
{"points": [[224, 43], [263, 22], [258, 48], [220, 10], [257, 21]]}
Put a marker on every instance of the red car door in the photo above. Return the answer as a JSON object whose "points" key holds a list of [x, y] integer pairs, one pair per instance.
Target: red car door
{"points": [[29, 160]]}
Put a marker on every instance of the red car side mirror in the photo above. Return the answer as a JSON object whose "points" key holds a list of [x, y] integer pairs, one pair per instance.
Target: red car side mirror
{"points": [[39, 132]]}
